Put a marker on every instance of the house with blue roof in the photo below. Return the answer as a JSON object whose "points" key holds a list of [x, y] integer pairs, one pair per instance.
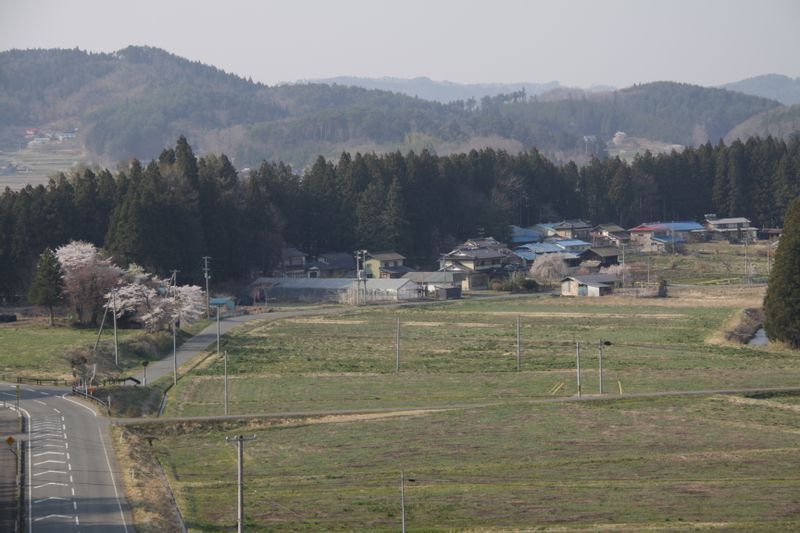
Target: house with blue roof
{"points": [[520, 235], [666, 236]]}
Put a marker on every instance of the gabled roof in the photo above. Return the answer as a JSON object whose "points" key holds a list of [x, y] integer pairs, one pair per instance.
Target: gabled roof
{"points": [[519, 234], [735, 220], [402, 269], [609, 228], [666, 227], [603, 251], [333, 261], [572, 224], [539, 248], [475, 253], [389, 255], [571, 242], [594, 280], [292, 252]]}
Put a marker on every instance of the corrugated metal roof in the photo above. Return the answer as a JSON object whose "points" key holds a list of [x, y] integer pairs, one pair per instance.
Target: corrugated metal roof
{"points": [[571, 242], [664, 227], [735, 220]]}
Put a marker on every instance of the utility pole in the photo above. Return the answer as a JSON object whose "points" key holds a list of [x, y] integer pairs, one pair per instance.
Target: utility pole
{"points": [[225, 364], [218, 329], [397, 346], [174, 331], [240, 440], [578, 365], [206, 274], [601, 366], [623, 264], [116, 344], [402, 502], [746, 263], [144, 365], [519, 346]]}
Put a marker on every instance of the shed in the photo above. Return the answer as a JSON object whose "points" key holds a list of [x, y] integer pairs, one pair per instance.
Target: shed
{"points": [[589, 285]]}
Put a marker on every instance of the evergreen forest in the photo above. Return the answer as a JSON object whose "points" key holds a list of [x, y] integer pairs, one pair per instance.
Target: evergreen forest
{"points": [[169, 212]]}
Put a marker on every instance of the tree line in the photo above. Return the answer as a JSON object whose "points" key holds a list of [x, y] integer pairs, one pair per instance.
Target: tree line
{"points": [[167, 213]]}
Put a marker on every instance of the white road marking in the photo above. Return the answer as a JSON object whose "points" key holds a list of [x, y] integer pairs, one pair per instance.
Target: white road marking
{"points": [[56, 410], [70, 479], [50, 461], [113, 481], [77, 522], [51, 483], [51, 446], [75, 505], [69, 467], [67, 456], [64, 397], [48, 453], [9, 394], [66, 445], [28, 389], [40, 401], [43, 393], [51, 516], [51, 498], [73, 490], [50, 472]]}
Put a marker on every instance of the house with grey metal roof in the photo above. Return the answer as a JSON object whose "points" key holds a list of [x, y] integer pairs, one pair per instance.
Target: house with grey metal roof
{"points": [[588, 285]]}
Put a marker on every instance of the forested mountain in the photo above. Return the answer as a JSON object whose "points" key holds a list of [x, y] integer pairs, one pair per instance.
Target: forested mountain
{"points": [[440, 91], [781, 122], [170, 212], [775, 86], [133, 102]]}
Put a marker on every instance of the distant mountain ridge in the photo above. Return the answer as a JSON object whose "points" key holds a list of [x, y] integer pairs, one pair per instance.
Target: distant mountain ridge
{"points": [[778, 87], [134, 102], [439, 91]]}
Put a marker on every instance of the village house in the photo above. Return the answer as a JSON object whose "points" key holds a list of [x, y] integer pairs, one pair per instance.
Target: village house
{"points": [[575, 246], [332, 265], [521, 235], [481, 260], [566, 229], [609, 235], [442, 285], [600, 256], [666, 236], [588, 285], [386, 265], [297, 264], [734, 229]]}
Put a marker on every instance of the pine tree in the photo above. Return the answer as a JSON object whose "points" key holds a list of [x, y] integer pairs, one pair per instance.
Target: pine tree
{"points": [[47, 287], [782, 302]]}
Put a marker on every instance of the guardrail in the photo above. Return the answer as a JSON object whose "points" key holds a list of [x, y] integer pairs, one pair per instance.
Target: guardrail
{"points": [[85, 394], [42, 381]]}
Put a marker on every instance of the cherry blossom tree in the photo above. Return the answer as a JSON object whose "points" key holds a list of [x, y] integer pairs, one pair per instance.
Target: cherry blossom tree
{"points": [[549, 268], [88, 276]]}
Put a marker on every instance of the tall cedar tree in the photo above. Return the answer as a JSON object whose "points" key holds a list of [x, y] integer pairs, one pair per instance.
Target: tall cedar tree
{"points": [[47, 286], [782, 303]]}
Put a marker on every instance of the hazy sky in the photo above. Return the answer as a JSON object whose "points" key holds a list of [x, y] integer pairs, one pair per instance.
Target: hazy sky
{"points": [[577, 42]]}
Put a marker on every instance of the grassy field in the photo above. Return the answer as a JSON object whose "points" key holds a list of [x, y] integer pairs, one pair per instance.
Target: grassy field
{"points": [[667, 463], [711, 263], [31, 348], [465, 352]]}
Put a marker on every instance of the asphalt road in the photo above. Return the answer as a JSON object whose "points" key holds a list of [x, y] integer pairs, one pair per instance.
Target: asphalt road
{"points": [[73, 483]]}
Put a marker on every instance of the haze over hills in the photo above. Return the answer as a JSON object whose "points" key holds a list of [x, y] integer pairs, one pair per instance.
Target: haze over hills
{"points": [[439, 91], [140, 99], [775, 86]]}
